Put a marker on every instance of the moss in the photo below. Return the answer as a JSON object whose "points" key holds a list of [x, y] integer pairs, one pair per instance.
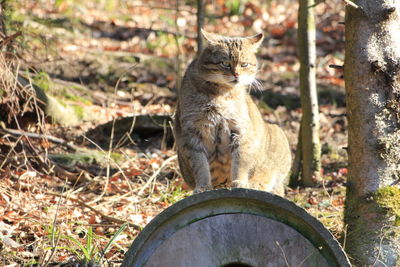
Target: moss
{"points": [[86, 157], [60, 112], [388, 197], [79, 111], [69, 93], [42, 79], [117, 157], [130, 59], [370, 225]]}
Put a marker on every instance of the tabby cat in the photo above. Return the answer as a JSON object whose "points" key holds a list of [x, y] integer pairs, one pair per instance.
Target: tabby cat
{"points": [[221, 138]]}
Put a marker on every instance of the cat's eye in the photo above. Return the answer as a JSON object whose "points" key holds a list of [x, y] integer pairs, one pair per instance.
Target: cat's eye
{"points": [[225, 64], [244, 65]]}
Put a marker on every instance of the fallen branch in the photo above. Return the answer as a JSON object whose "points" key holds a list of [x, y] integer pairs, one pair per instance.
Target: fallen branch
{"points": [[9, 38], [50, 138], [105, 216], [58, 171]]}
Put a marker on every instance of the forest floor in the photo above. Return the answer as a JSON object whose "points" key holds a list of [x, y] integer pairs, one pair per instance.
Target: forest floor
{"points": [[114, 66]]}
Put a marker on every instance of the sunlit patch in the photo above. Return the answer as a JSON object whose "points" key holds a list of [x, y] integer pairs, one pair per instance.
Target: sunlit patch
{"points": [[246, 79], [230, 80]]}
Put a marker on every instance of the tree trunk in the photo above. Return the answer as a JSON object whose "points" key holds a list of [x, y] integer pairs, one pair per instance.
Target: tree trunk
{"points": [[2, 20], [372, 75], [200, 24], [297, 162], [311, 149]]}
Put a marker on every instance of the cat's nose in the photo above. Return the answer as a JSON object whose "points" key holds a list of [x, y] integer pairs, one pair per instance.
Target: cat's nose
{"points": [[236, 74]]}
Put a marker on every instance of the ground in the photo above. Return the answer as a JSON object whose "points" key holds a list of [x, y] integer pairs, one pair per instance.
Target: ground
{"points": [[113, 68]]}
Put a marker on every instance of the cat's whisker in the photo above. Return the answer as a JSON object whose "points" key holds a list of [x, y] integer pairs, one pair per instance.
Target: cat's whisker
{"points": [[256, 85]]}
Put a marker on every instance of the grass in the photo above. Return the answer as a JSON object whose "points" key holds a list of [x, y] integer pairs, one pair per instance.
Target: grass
{"points": [[174, 193], [86, 250]]}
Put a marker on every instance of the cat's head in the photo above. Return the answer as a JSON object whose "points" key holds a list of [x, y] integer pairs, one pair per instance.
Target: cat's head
{"points": [[229, 61]]}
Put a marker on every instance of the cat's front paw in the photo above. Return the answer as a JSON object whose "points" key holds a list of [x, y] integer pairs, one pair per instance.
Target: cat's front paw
{"points": [[202, 188], [239, 183]]}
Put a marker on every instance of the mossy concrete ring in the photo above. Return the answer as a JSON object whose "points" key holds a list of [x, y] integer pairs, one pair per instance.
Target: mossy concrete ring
{"points": [[238, 227]]}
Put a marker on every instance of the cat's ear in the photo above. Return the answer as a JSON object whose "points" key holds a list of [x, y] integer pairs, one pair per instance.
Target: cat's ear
{"points": [[210, 38], [255, 40]]}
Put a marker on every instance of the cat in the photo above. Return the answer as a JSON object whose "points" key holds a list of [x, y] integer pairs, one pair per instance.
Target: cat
{"points": [[221, 138]]}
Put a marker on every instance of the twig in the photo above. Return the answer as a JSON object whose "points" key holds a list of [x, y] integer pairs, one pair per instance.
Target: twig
{"points": [[122, 140], [333, 66], [155, 174], [111, 159], [9, 38], [283, 252], [326, 191], [12, 149], [355, 6], [110, 147], [380, 248], [345, 237], [59, 171], [351, 3], [54, 242], [148, 5], [105, 216], [108, 166], [306, 258], [50, 138]]}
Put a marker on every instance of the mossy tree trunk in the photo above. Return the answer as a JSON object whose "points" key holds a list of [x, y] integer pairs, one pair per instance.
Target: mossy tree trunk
{"points": [[310, 144], [372, 76]]}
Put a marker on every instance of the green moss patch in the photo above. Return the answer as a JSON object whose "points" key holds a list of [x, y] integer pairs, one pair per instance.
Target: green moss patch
{"points": [[85, 157], [43, 80], [388, 197]]}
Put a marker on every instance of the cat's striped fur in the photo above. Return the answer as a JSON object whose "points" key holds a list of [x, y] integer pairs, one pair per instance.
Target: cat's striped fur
{"points": [[221, 138]]}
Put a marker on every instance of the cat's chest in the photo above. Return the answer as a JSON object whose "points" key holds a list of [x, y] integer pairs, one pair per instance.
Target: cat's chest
{"points": [[219, 134], [218, 128]]}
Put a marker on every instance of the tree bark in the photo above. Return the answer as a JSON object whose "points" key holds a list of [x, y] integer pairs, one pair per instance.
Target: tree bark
{"points": [[311, 148], [297, 162], [3, 33], [372, 76], [200, 24]]}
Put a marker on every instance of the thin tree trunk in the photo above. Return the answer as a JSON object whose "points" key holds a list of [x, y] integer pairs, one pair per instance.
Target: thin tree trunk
{"points": [[311, 149], [296, 165], [3, 33], [372, 76], [200, 24], [178, 70]]}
